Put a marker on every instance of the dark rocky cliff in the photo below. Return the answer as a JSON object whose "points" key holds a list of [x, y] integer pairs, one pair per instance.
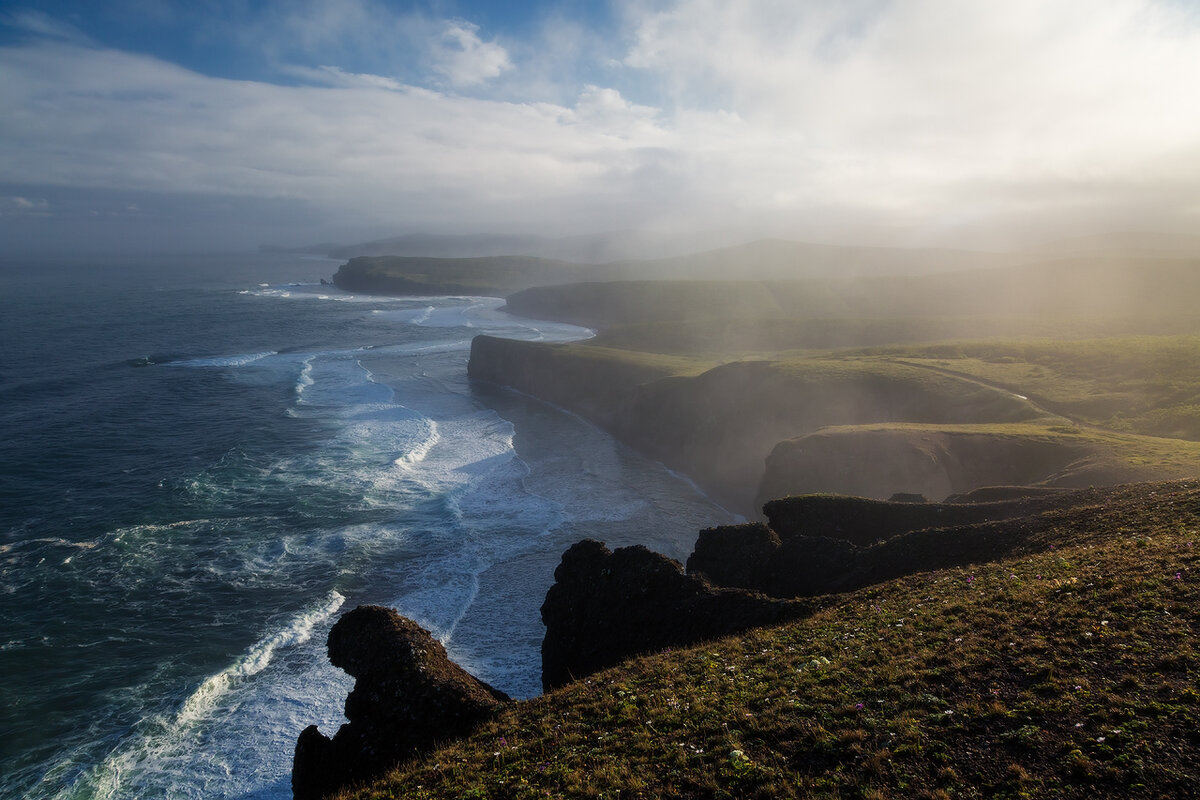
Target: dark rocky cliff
{"points": [[821, 544], [593, 382], [407, 697], [606, 606]]}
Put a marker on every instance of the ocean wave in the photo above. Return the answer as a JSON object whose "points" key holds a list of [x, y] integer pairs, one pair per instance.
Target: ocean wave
{"points": [[165, 754], [224, 361], [201, 703]]}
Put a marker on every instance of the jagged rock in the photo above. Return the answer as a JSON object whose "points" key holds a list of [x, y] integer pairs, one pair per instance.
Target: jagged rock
{"points": [[864, 521], [819, 544], [408, 696], [735, 555], [606, 606], [753, 557]]}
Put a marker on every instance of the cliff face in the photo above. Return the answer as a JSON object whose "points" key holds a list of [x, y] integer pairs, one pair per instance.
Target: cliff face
{"points": [[593, 382], [606, 606], [878, 463], [408, 696], [818, 544], [719, 427], [420, 275], [864, 521]]}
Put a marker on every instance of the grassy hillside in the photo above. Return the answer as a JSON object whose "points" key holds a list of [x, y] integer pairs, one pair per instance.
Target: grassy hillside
{"points": [[879, 460], [1144, 384], [1068, 671], [926, 419]]}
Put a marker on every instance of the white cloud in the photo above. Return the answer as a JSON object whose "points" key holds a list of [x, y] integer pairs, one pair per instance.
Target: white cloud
{"points": [[15, 205], [916, 105], [105, 119], [916, 115], [463, 58]]}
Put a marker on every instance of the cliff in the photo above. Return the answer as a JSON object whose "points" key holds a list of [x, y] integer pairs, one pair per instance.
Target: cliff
{"points": [[876, 462], [1064, 669], [418, 275], [594, 382], [605, 607], [719, 425], [408, 696], [819, 544]]}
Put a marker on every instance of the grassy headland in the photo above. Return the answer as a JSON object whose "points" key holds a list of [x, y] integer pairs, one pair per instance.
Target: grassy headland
{"points": [[1081, 349], [1067, 671], [1067, 668]]}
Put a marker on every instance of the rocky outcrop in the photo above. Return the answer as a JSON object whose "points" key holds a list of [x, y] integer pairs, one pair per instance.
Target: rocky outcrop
{"points": [[407, 697], [807, 566], [606, 606], [864, 521], [820, 544], [753, 557]]}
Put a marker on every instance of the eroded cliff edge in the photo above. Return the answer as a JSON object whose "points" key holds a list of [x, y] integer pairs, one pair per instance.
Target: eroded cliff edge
{"points": [[748, 431]]}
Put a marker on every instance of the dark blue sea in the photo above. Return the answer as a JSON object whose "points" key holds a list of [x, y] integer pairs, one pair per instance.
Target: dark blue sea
{"points": [[204, 461]]}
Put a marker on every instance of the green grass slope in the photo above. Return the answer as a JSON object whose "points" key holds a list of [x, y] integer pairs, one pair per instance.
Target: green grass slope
{"points": [[1068, 671], [1141, 384]]}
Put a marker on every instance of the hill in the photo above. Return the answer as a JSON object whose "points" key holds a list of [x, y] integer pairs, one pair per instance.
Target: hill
{"points": [[875, 422], [1068, 373], [1030, 642], [1066, 669], [395, 269]]}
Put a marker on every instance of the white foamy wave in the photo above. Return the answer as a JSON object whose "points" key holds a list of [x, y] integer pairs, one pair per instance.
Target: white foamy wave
{"points": [[224, 361], [418, 452], [202, 701], [317, 291], [446, 316], [225, 733], [304, 380], [482, 314]]}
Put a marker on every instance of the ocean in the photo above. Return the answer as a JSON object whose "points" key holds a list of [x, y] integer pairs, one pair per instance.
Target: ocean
{"points": [[204, 461]]}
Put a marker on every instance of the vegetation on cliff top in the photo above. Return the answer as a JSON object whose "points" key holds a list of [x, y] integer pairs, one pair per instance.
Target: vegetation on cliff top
{"points": [[1067, 672]]}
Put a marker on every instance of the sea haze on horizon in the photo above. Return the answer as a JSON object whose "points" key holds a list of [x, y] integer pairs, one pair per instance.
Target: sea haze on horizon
{"points": [[203, 461]]}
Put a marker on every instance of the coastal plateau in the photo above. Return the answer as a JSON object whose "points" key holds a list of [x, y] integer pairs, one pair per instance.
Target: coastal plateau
{"points": [[1028, 633]]}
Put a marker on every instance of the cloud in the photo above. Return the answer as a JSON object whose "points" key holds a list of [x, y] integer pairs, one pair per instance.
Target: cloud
{"points": [[97, 118], [15, 205], [906, 118], [916, 105], [39, 24], [328, 75], [459, 55]]}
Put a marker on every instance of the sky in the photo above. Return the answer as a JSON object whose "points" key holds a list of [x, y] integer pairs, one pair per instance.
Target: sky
{"points": [[168, 125]]}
